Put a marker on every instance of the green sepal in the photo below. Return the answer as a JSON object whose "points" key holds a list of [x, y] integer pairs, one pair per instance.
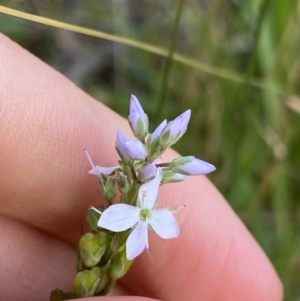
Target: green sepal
{"points": [[109, 192], [164, 140], [119, 265], [93, 218], [141, 129], [123, 183], [177, 163], [92, 246], [79, 263], [118, 241], [169, 176], [114, 242], [154, 149], [90, 259], [138, 164], [87, 283], [104, 283]]}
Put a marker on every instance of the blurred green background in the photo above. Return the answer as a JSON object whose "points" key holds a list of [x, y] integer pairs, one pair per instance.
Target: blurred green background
{"points": [[240, 75]]}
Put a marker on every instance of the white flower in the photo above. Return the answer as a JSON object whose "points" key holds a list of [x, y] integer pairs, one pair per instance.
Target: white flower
{"points": [[121, 217], [97, 170]]}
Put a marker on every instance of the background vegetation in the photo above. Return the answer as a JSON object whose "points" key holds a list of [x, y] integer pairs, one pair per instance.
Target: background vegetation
{"points": [[235, 63]]}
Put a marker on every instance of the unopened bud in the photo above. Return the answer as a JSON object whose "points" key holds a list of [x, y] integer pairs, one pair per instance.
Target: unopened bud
{"points": [[137, 118], [156, 134], [87, 283], [123, 183], [130, 149], [119, 265], [191, 166], [110, 191], [118, 241], [147, 173], [135, 150], [92, 247], [174, 130], [105, 282]]}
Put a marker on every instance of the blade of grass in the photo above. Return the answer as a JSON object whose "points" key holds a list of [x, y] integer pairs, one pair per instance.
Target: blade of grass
{"points": [[218, 72], [168, 62]]}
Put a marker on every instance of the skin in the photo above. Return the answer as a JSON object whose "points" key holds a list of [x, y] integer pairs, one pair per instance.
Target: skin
{"points": [[46, 121]]}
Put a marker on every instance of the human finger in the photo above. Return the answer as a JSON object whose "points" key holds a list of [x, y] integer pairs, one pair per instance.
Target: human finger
{"points": [[212, 238]]}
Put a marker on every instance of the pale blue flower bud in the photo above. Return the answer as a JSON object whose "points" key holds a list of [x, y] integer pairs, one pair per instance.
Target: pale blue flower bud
{"points": [[157, 131], [174, 130], [153, 143], [135, 149], [147, 172], [130, 149], [120, 144], [137, 118], [191, 166]]}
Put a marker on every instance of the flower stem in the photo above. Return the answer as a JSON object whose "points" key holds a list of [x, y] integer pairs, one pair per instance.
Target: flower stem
{"points": [[133, 192], [163, 164], [169, 59]]}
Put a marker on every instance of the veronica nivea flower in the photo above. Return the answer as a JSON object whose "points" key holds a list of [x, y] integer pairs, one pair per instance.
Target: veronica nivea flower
{"points": [[137, 118], [174, 130], [191, 166], [147, 172], [130, 149], [121, 217], [97, 170]]}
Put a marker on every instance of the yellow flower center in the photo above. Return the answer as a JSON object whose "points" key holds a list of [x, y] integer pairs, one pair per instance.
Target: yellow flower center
{"points": [[144, 214]]}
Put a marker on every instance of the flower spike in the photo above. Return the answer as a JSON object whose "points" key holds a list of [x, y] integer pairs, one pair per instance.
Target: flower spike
{"points": [[119, 228]]}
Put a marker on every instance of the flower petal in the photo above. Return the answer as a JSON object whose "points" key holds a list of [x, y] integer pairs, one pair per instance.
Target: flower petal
{"points": [[164, 223], [137, 118], [157, 131], [137, 241], [147, 172], [178, 126], [97, 170], [174, 208], [190, 165], [135, 149], [148, 192], [121, 139], [198, 167], [119, 217]]}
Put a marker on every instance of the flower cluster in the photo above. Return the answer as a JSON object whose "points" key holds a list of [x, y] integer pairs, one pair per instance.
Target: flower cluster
{"points": [[120, 231]]}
